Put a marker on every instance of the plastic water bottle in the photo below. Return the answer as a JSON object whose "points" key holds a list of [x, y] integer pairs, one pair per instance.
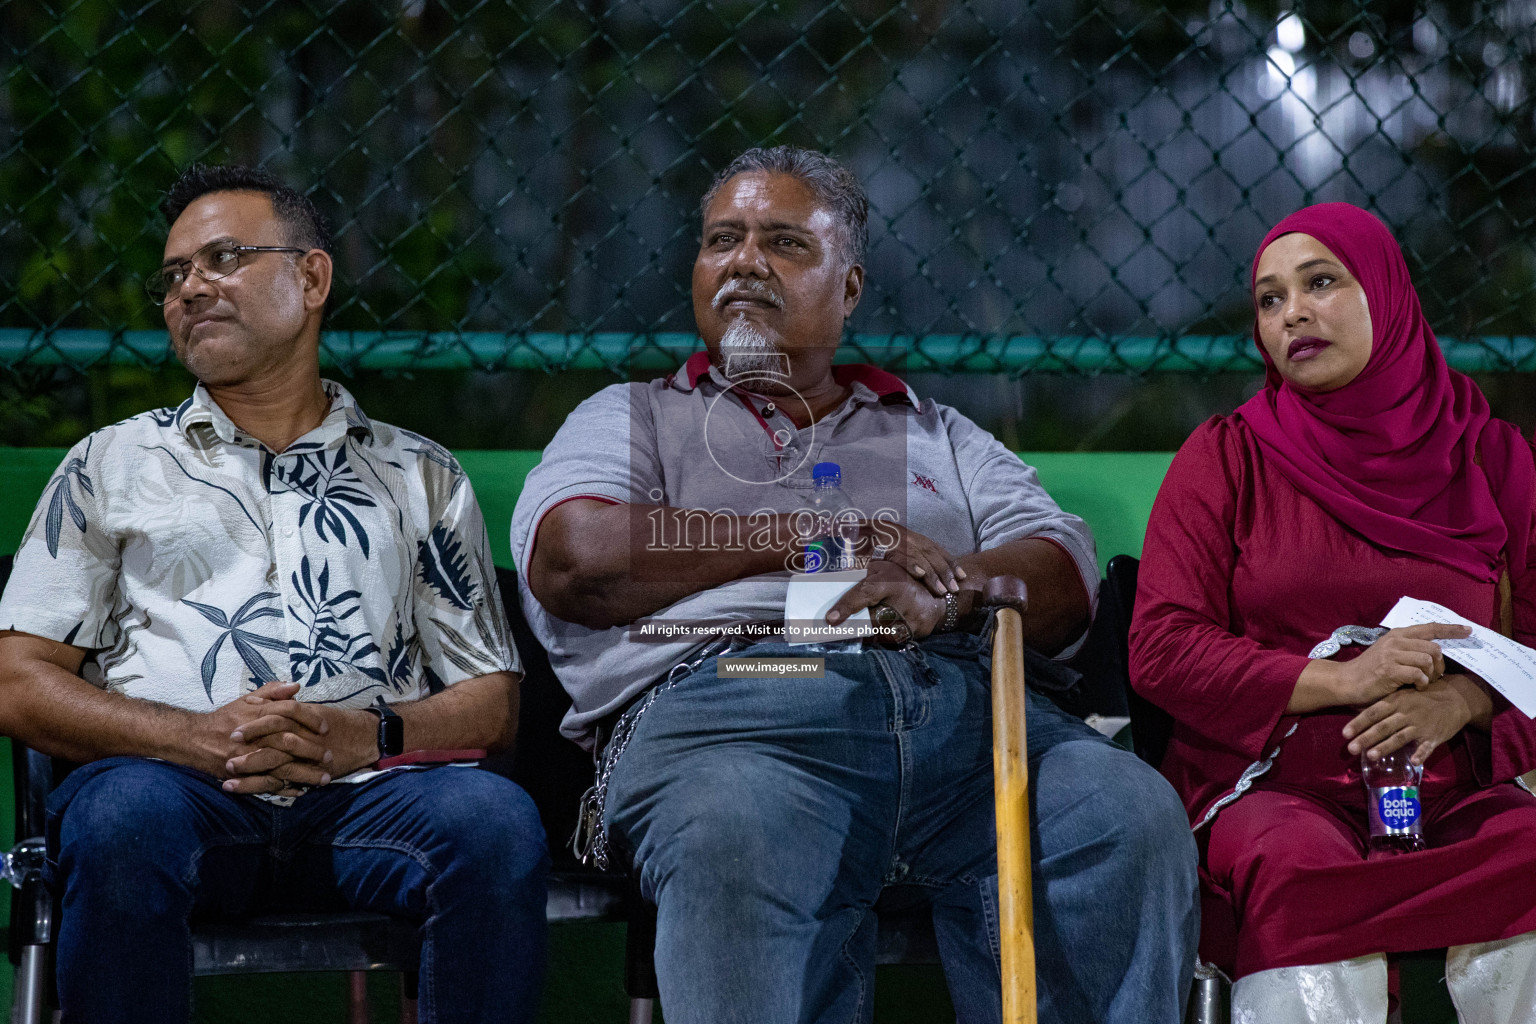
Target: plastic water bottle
{"points": [[1392, 803], [830, 542], [834, 538]]}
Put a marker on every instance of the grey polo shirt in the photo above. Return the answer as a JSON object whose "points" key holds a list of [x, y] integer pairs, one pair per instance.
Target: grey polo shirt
{"points": [[694, 440]]}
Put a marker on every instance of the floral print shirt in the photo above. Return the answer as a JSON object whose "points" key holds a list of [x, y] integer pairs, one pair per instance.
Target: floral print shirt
{"points": [[196, 563]]}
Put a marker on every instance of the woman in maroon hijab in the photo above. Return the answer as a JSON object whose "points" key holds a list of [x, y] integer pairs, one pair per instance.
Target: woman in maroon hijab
{"points": [[1365, 470]]}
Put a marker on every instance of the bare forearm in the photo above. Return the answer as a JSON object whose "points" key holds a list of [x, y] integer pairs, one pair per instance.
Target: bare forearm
{"points": [[1058, 610], [60, 714], [475, 714], [608, 565], [1320, 686], [1409, 656]]}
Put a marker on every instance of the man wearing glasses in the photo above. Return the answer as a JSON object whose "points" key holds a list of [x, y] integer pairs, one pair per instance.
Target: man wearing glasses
{"points": [[233, 613]]}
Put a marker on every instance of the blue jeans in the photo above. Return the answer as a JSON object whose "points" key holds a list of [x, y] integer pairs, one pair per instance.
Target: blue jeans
{"points": [[765, 816], [138, 848]]}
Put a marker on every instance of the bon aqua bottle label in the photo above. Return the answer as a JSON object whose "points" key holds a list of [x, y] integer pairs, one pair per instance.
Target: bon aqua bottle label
{"points": [[1395, 811]]}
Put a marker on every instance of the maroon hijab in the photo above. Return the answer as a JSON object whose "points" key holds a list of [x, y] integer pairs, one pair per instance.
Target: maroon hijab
{"points": [[1393, 455]]}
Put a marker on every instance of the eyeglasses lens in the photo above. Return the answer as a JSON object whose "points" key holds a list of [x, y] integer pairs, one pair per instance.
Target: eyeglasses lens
{"points": [[210, 263]]}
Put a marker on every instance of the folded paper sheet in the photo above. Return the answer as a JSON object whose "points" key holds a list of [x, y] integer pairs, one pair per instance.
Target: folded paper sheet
{"points": [[1505, 665], [810, 597]]}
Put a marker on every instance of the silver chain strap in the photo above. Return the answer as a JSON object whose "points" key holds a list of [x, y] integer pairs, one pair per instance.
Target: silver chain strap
{"points": [[589, 841]]}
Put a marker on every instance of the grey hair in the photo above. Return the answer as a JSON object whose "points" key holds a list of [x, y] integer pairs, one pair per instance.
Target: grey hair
{"points": [[834, 186]]}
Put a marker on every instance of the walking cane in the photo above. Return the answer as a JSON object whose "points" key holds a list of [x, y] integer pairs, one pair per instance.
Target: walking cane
{"points": [[1010, 772]]}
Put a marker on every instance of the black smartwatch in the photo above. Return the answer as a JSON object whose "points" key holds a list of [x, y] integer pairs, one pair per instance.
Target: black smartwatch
{"points": [[391, 730]]}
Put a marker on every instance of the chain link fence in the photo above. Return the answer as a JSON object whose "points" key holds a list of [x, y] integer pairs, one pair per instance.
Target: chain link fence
{"points": [[1055, 185]]}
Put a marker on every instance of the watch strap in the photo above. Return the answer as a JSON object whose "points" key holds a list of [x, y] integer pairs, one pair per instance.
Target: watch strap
{"points": [[391, 729], [951, 613]]}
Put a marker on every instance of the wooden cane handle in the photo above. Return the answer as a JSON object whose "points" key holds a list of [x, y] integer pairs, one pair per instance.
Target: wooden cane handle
{"points": [[1005, 592]]}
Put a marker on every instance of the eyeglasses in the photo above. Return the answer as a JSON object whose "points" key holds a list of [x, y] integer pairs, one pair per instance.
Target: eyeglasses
{"points": [[213, 261]]}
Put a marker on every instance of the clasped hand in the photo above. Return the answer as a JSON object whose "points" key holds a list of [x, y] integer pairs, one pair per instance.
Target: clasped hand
{"points": [[1400, 680], [891, 584], [268, 742], [920, 557]]}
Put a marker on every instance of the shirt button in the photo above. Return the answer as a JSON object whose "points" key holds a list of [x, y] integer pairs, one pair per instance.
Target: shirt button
{"points": [[287, 531]]}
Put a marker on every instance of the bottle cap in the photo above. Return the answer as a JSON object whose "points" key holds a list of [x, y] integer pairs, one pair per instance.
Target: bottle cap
{"points": [[827, 471]]}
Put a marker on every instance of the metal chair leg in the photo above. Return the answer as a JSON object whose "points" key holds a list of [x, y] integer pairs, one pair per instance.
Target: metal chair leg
{"points": [[31, 987], [357, 998], [408, 998], [1210, 1000], [640, 1010]]}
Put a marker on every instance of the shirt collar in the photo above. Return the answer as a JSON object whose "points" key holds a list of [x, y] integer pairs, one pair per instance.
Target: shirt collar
{"points": [[880, 383], [202, 413]]}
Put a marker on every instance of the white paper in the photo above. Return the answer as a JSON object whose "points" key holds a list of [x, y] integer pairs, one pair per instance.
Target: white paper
{"points": [[810, 597], [1505, 665]]}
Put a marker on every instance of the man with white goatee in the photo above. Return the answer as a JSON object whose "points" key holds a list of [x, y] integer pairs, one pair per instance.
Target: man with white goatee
{"points": [[766, 813]]}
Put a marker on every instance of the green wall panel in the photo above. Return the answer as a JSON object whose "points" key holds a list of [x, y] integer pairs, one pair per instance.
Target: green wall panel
{"points": [[1112, 490]]}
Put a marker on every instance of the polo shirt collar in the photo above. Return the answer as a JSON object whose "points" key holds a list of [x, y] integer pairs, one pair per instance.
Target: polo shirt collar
{"points": [[201, 414], [880, 384]]}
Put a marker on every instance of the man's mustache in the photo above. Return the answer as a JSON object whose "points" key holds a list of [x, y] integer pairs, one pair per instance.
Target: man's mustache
{"points": [[747, 288]]}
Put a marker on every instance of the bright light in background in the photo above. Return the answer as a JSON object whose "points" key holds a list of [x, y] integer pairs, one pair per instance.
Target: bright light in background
{"points": [[1278, 70], [1290, 33], [1295, 87], [1426, 37]]}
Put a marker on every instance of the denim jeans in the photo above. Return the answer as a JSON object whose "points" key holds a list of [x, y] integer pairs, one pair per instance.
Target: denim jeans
{"points": [[138, 848], [765, 816]]}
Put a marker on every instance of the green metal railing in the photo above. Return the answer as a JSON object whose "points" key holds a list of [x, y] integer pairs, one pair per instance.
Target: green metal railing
{"points": [[625, 353], [1056, 185]]}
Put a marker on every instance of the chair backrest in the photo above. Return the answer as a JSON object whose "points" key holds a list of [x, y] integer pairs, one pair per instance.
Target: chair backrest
{"points": [[32, 771], [1151, 726], [1101, 663], [550, 768]]}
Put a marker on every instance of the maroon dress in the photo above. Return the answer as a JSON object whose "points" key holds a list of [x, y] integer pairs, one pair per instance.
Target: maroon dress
{"points": [[1241, 576]]}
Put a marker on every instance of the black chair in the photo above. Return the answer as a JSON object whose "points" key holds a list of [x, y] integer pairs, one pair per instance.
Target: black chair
{"points": [[1151, 727], [553, 771], [352, 942], [556, 772]]}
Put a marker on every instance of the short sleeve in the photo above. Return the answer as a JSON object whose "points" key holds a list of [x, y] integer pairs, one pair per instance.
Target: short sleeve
{"points": [[460, 620], [64, 580], [1008, 503], [606, 450]]}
